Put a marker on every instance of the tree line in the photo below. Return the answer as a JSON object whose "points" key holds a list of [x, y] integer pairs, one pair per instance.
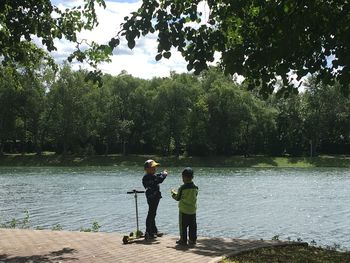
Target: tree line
{"points": [[205, 114]]}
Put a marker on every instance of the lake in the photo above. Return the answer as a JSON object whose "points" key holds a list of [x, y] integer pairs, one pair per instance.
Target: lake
{"points": [[311, 204]]}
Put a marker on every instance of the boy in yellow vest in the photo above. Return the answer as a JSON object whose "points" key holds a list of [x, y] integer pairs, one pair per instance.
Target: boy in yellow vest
{"points": [[187, 197]]}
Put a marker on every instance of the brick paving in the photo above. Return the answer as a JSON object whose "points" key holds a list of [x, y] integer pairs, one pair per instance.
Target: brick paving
{"points": [[32, 246]]}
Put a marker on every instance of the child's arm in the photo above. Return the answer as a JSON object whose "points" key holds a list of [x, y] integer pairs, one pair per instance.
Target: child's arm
{"points": [[176, 195], [161, 177]]}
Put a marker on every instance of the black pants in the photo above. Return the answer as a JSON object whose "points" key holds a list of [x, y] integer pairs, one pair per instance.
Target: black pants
{"points": [[152, 212], [190, 222]]}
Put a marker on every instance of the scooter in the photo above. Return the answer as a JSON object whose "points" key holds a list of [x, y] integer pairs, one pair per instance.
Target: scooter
{"points": [[137, 234]]}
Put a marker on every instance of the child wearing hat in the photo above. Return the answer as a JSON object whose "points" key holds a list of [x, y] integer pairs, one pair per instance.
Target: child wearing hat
{"points": [[187, 197], [151, 182]]}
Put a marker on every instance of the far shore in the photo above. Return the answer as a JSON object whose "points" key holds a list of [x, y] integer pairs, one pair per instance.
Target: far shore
{"points": [[51, 159]]}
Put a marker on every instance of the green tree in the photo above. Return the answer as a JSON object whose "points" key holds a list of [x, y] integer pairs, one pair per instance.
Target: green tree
{"points": [[226, 119], [173, 103], [197, 139], [226, 110], [21, 21], [124, 87], [31, 109], [25, 84], [106, 116], [143, 138], [326, 117], [257, 39], [71, 122], [254, 33], [290, 124], [257, 125], [117, 123], [49, 105], [8, 105]]}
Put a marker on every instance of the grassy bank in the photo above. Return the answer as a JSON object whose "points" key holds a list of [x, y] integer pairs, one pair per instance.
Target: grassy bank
{"points": [[291, 254], [49, 159]]}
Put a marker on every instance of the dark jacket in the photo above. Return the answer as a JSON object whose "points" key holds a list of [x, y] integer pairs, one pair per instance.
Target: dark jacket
{"points": [[151, 183]]}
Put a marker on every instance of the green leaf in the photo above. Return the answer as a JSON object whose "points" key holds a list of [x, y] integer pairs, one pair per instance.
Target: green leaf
{"points": [[114, 42], [131, 44], [167, 54], [158, 57]]}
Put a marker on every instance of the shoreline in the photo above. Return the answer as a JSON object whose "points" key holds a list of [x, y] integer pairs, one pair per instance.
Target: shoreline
{"points": [[50, 159]]}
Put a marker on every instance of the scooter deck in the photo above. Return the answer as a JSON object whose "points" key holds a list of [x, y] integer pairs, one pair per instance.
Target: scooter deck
{"points": [[131, 238], [128, 239]]}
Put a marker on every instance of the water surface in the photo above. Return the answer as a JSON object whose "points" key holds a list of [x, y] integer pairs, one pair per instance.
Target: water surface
{"points": [[311, 204]]}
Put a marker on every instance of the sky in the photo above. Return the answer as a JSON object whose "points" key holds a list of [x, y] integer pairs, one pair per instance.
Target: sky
{"points": [[139, 62]]}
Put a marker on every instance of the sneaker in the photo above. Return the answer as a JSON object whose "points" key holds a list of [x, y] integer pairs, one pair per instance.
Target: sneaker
{"points": [[149, 236], [181, 243], [152, 236], [192, 243], [159, 234]]}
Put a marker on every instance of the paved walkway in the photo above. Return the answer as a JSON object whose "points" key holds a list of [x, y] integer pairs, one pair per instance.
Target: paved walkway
{"points": [[18, 245]]}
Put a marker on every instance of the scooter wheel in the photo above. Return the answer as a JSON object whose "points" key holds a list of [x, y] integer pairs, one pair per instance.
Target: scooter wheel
{"points": [[125, 240]]}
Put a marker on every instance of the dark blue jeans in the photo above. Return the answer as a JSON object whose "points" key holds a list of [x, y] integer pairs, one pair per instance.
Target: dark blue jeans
{"points": [[151, 216]]}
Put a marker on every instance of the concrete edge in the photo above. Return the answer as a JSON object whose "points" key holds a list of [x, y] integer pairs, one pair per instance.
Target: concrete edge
{"points": [[235, 253]]}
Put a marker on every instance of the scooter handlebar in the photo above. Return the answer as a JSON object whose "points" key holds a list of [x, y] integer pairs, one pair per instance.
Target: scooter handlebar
{"points": [[135, 191]]}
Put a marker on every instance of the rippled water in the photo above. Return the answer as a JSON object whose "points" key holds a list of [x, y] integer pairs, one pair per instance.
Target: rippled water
{"points": [[311, 204]]}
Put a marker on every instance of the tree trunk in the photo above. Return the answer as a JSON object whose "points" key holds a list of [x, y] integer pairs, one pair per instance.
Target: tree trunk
{"points": [[124, 147], [1, 147], [246, 142], [311, 149], [24, 141], [107, 148], [177, 148], [36, 141], [44, 131]]}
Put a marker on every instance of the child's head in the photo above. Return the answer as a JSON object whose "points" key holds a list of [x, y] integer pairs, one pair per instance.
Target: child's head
{"points": [[187, 175], [150, 166]]}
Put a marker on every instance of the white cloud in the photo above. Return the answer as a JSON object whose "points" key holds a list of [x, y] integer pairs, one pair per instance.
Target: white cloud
{"points": [[139, 62]]}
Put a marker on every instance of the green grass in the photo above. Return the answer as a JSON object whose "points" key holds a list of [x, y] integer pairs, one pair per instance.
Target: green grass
{"points": [[50, 159], [25, 223], [291, 254]]}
